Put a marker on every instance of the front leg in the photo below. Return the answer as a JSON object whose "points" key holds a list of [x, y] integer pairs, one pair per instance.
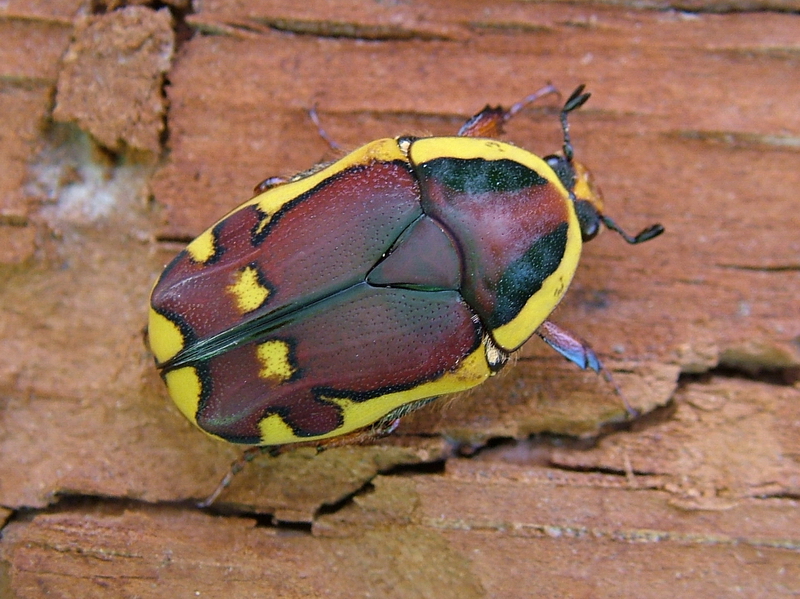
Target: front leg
{"points": [[579, 352], [572, 347], [489, 121]]}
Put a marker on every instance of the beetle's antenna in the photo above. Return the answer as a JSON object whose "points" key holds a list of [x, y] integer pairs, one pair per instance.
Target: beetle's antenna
{"points": [[575, 101], [642, 236]]}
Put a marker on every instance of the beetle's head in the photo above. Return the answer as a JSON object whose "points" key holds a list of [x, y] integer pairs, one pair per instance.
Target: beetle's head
{"points": [[585, 194], [580, 184]]}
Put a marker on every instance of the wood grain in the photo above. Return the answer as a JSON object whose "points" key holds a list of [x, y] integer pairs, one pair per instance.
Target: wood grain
{"points": [[533, 485]]}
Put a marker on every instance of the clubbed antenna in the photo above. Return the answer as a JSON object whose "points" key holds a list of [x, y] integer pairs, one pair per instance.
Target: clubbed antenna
{"points": [[575, 101], [644, 235]]}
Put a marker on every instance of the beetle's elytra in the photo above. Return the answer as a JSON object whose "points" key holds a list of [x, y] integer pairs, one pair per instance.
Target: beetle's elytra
{"points": [[347, 296]]}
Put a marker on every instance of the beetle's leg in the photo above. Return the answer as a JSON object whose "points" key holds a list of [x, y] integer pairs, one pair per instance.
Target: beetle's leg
{"points": [[248, 455], [573, 348], [269, 183], [312, 113], [489, 121], [382, 428], [579, 352]]}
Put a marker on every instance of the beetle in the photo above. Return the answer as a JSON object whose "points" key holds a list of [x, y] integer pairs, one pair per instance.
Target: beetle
{"points": [[334, 302]]}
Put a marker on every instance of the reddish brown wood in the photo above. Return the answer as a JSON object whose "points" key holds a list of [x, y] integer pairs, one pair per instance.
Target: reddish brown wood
{"points": [[112, 78], [693, 122]]}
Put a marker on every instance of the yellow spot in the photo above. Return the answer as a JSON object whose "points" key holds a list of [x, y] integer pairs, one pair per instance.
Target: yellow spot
{"points": [[164, 336], [203, 247], [263, 224], [472, 371], [247, 290], [274, 431], [185, 389], [275, 360]]}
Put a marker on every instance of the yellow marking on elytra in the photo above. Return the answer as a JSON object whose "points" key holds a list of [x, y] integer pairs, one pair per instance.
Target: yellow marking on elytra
{"points": [[472, 371], [274, 431], [275, 360], [265, 220], [164, 336], [204, 246], [185, 389], [247, 290], [275, 198]]}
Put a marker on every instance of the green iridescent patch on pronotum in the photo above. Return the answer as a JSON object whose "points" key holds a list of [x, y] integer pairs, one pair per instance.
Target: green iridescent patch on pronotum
{"points": [[524, 277], [479, 176]]}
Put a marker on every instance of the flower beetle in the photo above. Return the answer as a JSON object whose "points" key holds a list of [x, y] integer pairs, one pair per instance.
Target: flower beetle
{"points": [[338, 300]]}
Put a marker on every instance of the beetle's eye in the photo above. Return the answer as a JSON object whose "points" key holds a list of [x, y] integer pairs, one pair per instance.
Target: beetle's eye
{"points": [[588, 218]]}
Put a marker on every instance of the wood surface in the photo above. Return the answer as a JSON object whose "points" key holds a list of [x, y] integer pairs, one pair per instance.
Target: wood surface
{"points": [[127, 131]]}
